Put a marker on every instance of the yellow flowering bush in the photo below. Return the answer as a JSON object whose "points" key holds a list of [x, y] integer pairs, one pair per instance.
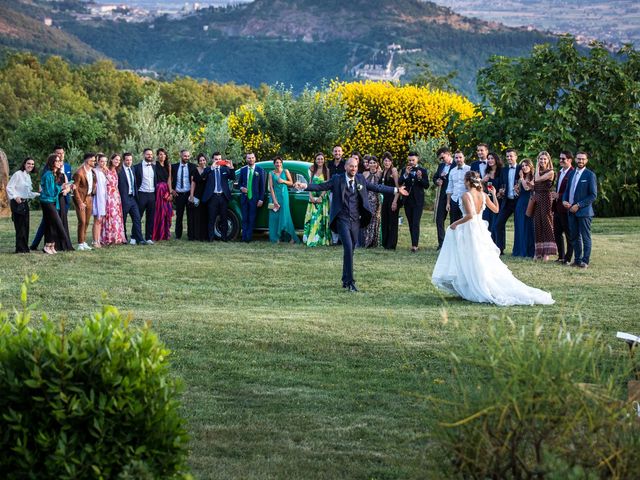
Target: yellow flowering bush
{"points": [[243, 126], [389, 117]]}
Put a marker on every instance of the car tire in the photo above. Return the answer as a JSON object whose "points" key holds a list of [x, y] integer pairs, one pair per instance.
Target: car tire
{"points": [[233, 226]]}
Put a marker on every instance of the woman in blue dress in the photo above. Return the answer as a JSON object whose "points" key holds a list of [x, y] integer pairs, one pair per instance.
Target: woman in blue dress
{"points": [[281, 227], [523, 239]]}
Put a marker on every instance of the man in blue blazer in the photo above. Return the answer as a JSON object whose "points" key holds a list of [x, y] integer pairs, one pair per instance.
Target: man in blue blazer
{"points": [[350, 210], [578, 198], [252, 184], [509, 176], [217, 195], [129, 197], [480, 165]]}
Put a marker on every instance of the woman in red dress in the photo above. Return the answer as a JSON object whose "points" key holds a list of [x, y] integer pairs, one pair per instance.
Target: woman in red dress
{"points": [[164, 197]]}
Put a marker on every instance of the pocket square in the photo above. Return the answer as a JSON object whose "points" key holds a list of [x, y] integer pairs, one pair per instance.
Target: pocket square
{"points": [[583, 181]]}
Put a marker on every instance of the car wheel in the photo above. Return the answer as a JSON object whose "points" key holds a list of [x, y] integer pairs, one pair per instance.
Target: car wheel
{"points": [[233, 226]]}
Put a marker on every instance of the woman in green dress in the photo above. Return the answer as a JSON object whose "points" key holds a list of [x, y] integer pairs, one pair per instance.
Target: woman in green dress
{"points": [[281, 227], [316, 221]]}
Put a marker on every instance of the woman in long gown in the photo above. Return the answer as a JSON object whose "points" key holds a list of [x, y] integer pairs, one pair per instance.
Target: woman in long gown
{"points": [[543, 213], [469, 263], [317, 230], [372, 232], [523, 241], [281, 227], [113, 223], [164, 208], [51, 185], [389, 211], [199, 212], [99, 199]]}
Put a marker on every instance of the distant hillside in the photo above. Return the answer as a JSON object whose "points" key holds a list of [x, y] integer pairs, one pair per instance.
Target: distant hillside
{"points": [[21, 32], [300, 42]]}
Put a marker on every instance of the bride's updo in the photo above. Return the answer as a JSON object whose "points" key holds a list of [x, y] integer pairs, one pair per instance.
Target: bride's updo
{"points": [[473, 179]]}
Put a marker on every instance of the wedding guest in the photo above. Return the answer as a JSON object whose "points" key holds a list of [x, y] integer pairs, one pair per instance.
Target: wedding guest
{"points": [[146, 179], [128, 195], [440, 180], [507, 195], [85, 188], [542, 215], [217, 195], [199, 208], [252, 184], [113, 223], [491, 177], [281, 227], [456, 187], [578, 198], [163, 207], [372, 231], [20, 192], [64, 201], [523, 238], [99, 210], [416, 179], [560, 214], [317, 231], [480, 165], [182, 177], [336, 167], [390, 203], [49, 202]]}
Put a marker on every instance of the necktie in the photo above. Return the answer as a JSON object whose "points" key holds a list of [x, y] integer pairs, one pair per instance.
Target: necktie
{"points": [[180, 178], [218, 188], [250, 184], [131, 181], [351, 185]]}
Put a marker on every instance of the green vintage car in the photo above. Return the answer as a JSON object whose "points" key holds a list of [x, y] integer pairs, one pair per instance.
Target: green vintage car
{"points": [[297, 200]]}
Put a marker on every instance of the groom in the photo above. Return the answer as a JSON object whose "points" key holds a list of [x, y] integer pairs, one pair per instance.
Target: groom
{"points": [[350, 210]]}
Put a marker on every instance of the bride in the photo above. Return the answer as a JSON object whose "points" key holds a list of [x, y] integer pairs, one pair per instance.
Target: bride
{"points": [[469, 263]]}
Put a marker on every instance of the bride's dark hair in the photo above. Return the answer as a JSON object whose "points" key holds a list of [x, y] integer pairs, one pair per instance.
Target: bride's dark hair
{"points": [[473, 178]]}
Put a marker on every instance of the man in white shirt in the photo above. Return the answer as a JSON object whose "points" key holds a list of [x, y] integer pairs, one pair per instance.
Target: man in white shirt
{"points": [[455, 187], [145, 177], [128, 195], [182, 176]]}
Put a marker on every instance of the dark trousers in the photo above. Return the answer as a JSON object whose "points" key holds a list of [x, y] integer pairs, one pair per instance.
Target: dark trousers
{"points": [[182, 203], [414, 214], [40, 232], [348, 233], [217, 206], [130, 208], [147, 207], [441, 216], [53, 227], [580, 232], [21, 224], [389, 222], [507, 208], [561, 232], [455, 213], [248, 209]]}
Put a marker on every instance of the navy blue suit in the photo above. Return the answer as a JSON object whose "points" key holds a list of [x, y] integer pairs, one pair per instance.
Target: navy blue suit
{"points": [[350, 211], [217, 203], [507, 207], [249, 207], [182, 198], [441, 212], [475, 166], [586, 192], [146, 200], [130, 205]]}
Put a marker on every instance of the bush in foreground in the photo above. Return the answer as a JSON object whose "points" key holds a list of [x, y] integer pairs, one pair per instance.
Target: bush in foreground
{"points": [[533, 404], [97, 402]]}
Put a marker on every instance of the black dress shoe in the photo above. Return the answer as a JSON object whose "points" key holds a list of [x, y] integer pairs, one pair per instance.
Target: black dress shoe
{"points": [[583, 265], [352, 288], [33, 248], [344, 285]]}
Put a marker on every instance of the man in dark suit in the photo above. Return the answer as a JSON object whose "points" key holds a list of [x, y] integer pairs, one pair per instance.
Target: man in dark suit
{"points": [[560, 214], [128, 194], [416, 180], [182, 181], [350, 210], [252, 184], [145, 177], [216, 194], [480, 165], [441, 181], [578, 198], [507, 195]]}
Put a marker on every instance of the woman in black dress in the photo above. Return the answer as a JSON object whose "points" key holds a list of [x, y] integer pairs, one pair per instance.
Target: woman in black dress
{"points": [[200, 214], [390, 210]]}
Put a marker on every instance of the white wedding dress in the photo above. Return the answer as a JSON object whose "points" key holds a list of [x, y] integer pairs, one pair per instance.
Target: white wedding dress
{"points": [[469, 265]]}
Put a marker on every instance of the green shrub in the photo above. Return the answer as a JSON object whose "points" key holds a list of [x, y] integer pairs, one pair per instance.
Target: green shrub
{"points": [[529, 404], [95, 402]]}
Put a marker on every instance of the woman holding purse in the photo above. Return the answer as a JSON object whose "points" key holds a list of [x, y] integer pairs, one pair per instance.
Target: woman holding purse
{"points": [[20, 191]]}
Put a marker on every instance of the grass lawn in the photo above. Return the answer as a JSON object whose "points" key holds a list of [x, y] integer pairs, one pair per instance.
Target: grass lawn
{"points": [[288, 376]]}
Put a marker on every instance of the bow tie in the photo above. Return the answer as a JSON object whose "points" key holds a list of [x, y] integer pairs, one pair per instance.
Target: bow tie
{"points": [[483, 163], [511, 168], [148, 164]]}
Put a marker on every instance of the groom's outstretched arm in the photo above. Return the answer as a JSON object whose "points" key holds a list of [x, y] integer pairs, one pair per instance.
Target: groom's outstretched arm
{"points": [[318, 187]]}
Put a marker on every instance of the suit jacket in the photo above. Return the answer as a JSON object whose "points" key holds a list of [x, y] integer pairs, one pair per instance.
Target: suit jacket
{"points": [[585, 194], [137, 173], [193, 171], [557, 204], [475, 166], [338, 186], [226, 174], [259, 179], [82, 185], [415, 186], [445, 179], [123, 186], [504, 180]]}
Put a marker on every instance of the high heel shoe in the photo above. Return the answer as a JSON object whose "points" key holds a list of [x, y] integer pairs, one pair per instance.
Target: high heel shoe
{"points": [[49, 249]]}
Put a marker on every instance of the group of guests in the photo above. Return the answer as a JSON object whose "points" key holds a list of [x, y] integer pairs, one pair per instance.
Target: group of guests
{"points": [[552, 210]]}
